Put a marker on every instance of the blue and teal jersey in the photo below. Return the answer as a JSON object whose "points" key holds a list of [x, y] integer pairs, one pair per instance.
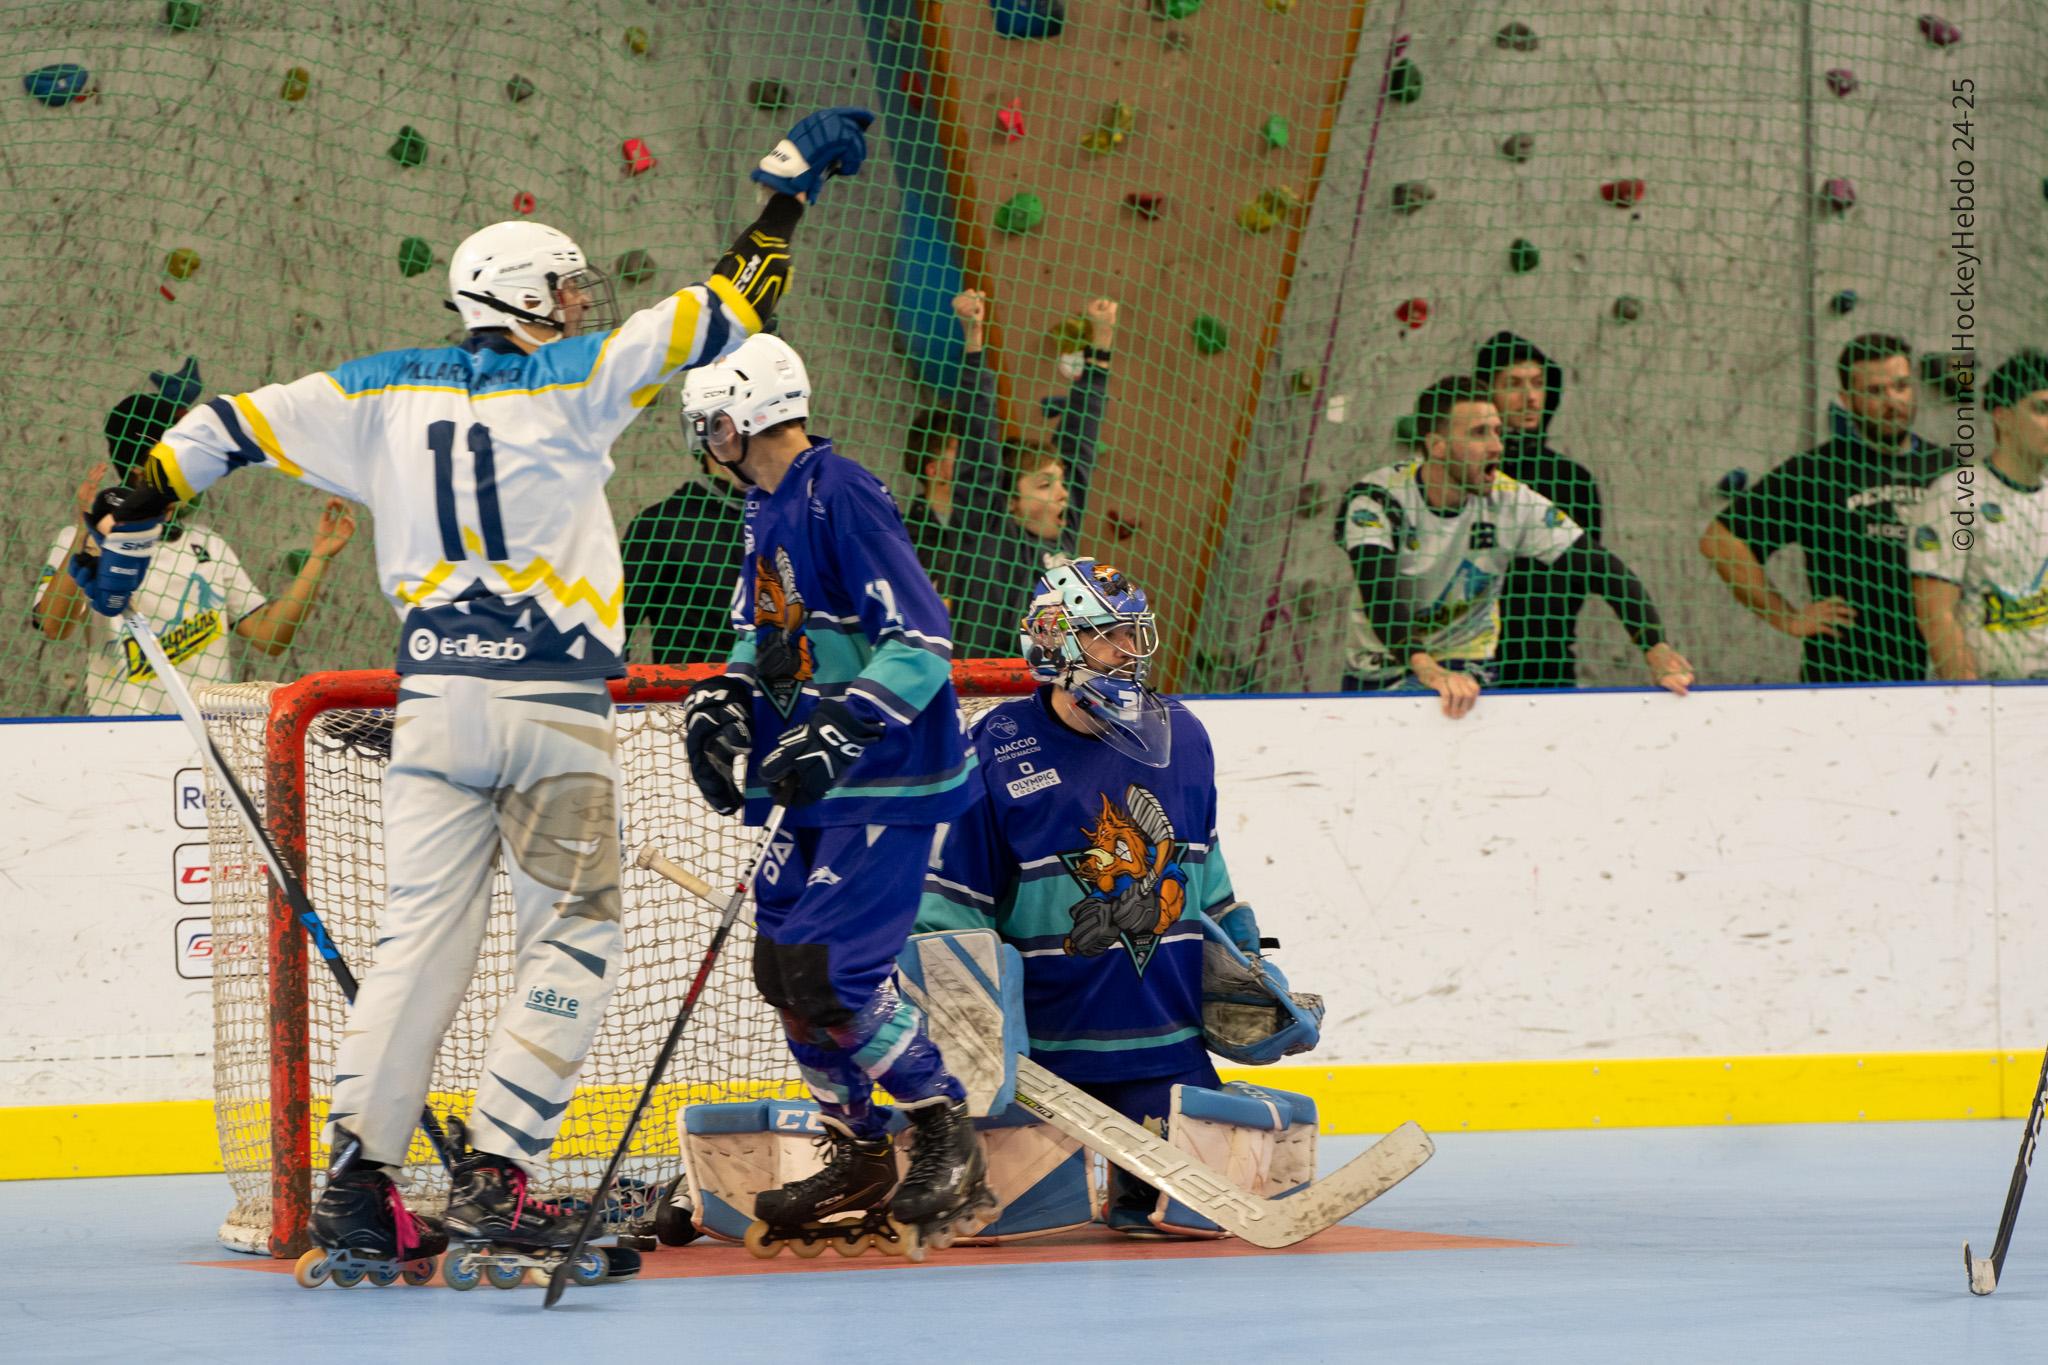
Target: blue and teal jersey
{"points": [[831, 602], [1089, 862]]}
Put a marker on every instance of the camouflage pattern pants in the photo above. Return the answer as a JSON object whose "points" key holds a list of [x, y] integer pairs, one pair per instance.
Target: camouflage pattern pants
{"points": [[480, 765]]}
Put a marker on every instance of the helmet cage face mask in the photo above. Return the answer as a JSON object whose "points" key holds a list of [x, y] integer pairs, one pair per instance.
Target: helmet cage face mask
{"points": [[1083, 617], [579, 303]]}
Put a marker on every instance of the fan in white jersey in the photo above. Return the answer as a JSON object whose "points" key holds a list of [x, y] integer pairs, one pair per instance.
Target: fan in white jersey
{"points": [[485, 465], [1430, 543], [1979, 547]]}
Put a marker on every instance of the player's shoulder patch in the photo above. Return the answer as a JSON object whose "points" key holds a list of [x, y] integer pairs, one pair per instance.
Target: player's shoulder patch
{"points": [[1925, 539]]}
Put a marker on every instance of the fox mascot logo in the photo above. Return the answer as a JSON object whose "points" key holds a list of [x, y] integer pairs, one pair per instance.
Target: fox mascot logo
{"points": [[1131, 873], [782, 659]]}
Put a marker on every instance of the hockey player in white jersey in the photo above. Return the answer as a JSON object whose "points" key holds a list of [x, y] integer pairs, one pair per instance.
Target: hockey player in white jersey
{"points": [[1978, 547], [484, 465], [1430, 543]]}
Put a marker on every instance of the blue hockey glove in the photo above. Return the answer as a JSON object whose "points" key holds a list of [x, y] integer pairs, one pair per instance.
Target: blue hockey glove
{"points": [[717, 729], [823, 144], [811, 759], [110, 572]]}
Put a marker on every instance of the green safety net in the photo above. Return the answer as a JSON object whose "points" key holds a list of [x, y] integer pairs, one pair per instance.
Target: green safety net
{"points": [[1304, 212]]}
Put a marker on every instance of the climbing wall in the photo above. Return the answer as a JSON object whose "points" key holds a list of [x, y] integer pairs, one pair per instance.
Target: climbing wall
{"points": [[1693, 212]]}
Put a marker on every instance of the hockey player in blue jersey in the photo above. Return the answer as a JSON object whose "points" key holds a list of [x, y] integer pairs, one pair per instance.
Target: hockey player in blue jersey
{"points": [[840, 692], [1094, 851], [484, 464]]}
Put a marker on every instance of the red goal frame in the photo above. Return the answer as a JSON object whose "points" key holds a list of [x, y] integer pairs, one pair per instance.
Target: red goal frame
{"points": [[293, 709]]}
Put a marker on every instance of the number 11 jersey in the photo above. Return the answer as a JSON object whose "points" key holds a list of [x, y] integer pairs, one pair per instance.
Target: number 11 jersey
{"points": [[484, 468]]}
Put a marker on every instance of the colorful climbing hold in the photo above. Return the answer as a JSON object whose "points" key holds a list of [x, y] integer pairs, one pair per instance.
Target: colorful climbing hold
{"points": [[1842, 81], [1280, 6], [1069, 333], [639, 160], [1518, 146], [1412, 312], [1111, 129], [1123, 524], [1275, 130], [295, 560], [637, 41], [1265, 213], [1939, 31], [769, 97], [165, 290], [1624, 194], [1404, 82], [1407, 432], [182, 16], [1517, 37], [182, 264], [1020, 213], [1149, 205], [1029, 18], [522, 202], [297, 81], [633, 267], [519, 90], [58, 85], [1411, 195], [409, 149], [1843, 303], [1010, 120], [1523, 256], [1211, 336], [1175, 9], [911, 83], [1627, 308], [1300, 384], [1839, 194], [415, 257]]}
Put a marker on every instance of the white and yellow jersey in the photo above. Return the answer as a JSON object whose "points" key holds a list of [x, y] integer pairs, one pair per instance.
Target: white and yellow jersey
{"points": [[485, 470], [1451, 564], [1989, 536]]}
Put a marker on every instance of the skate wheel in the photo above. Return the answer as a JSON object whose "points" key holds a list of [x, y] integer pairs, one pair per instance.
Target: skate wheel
{"points": [[759, 1241], [909, 1242], [887, 1240], [460, 1271], [383, 1277], [807, 1249], [853, 1246], [418, 1272], [311, 1269], [345, 1276], [592, 1267], [504, 1276]]}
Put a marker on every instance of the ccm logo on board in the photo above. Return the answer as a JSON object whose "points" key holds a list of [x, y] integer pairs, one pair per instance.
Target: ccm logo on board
{"points": [[193, 942], [193, 874]]}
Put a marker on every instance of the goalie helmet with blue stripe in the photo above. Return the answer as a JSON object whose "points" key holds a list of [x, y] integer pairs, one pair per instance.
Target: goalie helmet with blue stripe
{"points": [[1090, 632]]}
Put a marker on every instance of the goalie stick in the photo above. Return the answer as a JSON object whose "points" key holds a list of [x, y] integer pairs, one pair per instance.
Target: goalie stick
{"points": [[558, 1281], [1270, 1223], [281, 874], [1984, 1274]]}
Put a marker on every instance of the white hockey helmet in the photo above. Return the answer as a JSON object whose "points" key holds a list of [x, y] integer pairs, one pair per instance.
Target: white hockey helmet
{"points": [[515, 273], [760, 384]]}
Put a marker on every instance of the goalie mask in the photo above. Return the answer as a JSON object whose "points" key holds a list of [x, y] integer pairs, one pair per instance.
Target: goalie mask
{"points": [[521, 276], [1089, 630]]}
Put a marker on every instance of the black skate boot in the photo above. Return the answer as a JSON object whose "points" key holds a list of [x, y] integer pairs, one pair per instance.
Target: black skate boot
{"points": [[811, 1214], [947, 1182], [361, 1227], [500, 1230]]}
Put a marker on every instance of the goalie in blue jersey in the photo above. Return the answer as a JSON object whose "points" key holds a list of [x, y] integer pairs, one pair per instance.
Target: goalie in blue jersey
{"points": [[1094, 851]]}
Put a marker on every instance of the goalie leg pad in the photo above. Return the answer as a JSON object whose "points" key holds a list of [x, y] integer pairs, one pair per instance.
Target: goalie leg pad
{"points": [[1263, 1140], [1044, 1181], [732, 1152], [974, 984]]}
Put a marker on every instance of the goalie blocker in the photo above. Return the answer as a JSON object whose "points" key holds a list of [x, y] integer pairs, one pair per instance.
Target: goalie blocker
{"points": [[1262, 1139]]}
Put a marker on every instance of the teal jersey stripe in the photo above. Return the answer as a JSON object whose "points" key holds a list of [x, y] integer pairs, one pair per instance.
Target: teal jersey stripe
{"points": [[1180, 1035]]}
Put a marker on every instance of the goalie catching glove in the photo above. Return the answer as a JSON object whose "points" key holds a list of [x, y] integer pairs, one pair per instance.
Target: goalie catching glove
{"points": [[1248, 1014], [113, 568], [823, 144], [812, 758], [717, 729]]}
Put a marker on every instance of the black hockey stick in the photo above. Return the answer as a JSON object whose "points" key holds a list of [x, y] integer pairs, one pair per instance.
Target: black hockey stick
{"points": [[280, 872], [558, 1281], [1984, 1274]]}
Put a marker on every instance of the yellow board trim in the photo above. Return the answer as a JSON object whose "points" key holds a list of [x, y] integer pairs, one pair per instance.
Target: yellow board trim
{"points": [[178, 1136]]}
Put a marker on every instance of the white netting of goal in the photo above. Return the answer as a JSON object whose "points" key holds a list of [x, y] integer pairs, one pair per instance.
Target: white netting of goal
{"points": [[277, 1012]]}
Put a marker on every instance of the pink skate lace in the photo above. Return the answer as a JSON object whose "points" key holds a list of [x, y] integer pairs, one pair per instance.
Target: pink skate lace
{"points": [[402, 1220], [517, 1175]]}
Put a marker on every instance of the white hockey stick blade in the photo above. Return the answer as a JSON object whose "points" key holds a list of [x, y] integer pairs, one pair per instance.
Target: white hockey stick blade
{"points": [[1267, 1223], [1983, 1274]]}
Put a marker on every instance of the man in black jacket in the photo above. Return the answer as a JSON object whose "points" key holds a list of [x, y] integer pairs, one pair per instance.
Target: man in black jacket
{"points": [[682, 558], [1539, 605]]}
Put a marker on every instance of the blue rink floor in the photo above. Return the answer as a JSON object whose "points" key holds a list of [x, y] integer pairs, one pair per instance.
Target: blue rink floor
{"points": [[1834, 1243]]}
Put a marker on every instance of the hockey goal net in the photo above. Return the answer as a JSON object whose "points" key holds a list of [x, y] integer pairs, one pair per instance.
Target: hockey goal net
{"points": [[312, 754]]}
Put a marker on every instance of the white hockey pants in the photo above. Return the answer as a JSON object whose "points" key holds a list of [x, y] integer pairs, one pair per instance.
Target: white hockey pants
{"points": [[479, 765]]}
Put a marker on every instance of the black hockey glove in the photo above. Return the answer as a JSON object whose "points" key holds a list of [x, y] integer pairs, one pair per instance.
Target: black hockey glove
{"points": [[1100, 922], [810, 759], [717, 729]]}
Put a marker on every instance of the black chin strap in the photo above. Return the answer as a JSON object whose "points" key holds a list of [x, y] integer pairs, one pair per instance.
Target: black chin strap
{"points": [[738, 468]]}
